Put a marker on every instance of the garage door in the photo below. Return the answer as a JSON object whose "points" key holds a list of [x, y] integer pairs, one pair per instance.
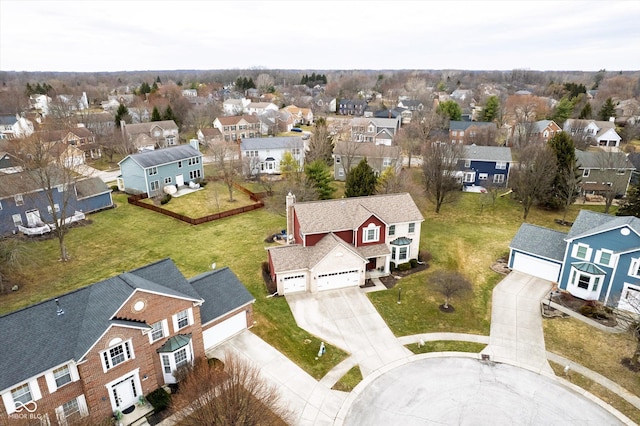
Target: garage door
{"points": [[540, 268], [227, 328], [294, 283], [338, 280]]}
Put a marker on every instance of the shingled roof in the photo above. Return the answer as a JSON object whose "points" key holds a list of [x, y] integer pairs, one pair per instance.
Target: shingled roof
{"points": [[539, 241], [162, 156], [589, 223], [349, 213], [41, 339]]}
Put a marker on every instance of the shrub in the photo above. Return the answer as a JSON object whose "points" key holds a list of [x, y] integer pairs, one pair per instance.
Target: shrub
{"points": [[114, 188], [392, 266], [165, 199], [159, 398], [404, 266], [413, 263], [425, 256], [265, 267]]}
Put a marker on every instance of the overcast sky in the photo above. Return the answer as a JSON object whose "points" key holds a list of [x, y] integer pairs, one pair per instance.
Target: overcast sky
{"points": [[167, 35]]}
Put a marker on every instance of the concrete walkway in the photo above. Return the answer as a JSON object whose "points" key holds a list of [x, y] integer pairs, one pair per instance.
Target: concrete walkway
{"points": [[89, 171], [516, 322]]}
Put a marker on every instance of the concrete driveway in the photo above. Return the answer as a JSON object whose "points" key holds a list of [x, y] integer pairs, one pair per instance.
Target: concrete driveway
{"points": [[347, 319]]}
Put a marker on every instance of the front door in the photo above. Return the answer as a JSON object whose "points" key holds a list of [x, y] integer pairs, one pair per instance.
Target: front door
{"points": [[179, 180], [125, 393]]}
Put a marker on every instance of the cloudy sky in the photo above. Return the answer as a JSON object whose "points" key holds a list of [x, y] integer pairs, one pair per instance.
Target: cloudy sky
{"points": [[115, 35]]}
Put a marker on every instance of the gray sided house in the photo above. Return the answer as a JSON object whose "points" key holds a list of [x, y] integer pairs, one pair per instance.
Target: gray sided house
{"points": [[151, 171], [603, 171], [263, 155], [347, 155], [24, 206]]}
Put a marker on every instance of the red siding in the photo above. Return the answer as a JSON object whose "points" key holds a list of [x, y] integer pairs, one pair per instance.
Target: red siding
{"points": [[346, 236], [383, 231], [312, 239]]}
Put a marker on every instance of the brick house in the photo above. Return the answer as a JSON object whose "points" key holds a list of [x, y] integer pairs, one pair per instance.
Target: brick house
{"points": [[338, 243], [98, 349]]}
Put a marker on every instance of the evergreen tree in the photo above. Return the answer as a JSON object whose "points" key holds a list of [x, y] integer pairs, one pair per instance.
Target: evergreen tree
{"points": [[631, 205], [563, 111], [490, 110], [361, 180], [585, 113], [168, 114], [319, 178], [121, 114], [158, 80], [155, 114], [251, 84], [154, 87], [608, 110], [144, 88], [451, 110], [564, 190]]}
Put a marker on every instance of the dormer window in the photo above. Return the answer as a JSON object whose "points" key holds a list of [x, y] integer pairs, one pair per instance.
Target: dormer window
{"points": [[371, 233]]}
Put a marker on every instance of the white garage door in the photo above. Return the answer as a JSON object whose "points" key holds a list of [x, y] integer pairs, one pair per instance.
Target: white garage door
{"points": [[224, 330], [338, 280], [540, 268], [294, 283]]}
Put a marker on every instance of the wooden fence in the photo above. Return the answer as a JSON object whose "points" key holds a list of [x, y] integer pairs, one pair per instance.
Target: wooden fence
{"points": [[258, 204]]}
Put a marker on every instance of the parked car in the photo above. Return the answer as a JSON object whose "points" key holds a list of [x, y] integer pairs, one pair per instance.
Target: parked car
{"points": [[296, 129]]}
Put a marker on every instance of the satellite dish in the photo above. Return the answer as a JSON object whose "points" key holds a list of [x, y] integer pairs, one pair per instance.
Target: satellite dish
{"points": [[213, 265]]}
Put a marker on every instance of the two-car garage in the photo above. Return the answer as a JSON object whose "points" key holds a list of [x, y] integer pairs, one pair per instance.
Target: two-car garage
{"points": [[538, 267], [225, 329]]}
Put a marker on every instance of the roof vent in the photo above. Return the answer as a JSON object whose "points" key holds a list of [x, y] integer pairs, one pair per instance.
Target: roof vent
{"points": [[59, 310]]}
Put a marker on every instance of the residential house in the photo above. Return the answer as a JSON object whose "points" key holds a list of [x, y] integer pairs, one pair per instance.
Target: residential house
{"points": [[351, 107], [347, 154], [604, 171], [484, 166], [235, 106], [257, 108], [15, 126], [40, 103], [338, 243], [6, 125], [543, 130], [324, 104], [263, 155], [209, 136], [302, 116], [237, 127], [151, 171], [73, 102], [8, 163], [598, 259], [102, 124], [411, 105], [69, 156], [599, 133], [473, 132], [381, 131], [190, 93], [462, 94], [99, 349], [25, 205], [79, 137], [152, 135]]}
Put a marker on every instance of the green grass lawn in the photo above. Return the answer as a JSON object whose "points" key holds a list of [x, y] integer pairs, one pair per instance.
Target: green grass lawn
{"points": [[446, 346], [213, 198], [349, 380]]}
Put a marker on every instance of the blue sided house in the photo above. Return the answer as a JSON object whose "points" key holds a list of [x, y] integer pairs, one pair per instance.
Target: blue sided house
{"points": [[28, 208], [151, 171], [484, 165], [598, 259]]}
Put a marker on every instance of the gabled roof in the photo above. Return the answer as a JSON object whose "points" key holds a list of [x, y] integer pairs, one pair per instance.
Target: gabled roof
{"points": [[41, 339], [464, 125], [91, 187], [366, 149], [162, 156], [602, 159], [133, 129], [540, 125], [590, 223], [487, 153], [210, 132], [22, 183], [282, 142], [539, 241], [349, 213], [235, 119], [222, 292]]}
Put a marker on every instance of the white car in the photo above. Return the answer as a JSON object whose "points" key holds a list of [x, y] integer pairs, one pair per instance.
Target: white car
{"points": [[475, 188]]}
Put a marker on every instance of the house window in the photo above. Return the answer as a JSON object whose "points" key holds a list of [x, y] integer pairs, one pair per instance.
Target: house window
{"points": [[154, 185], [469, 177], [634, 269], [581, 251], [392, 230], [386, 162], [467, 163], [167, 180], [116, 355], [17, 220], [630, 298], [498, 178], [603, 257], [585, 172], [153, 171], [501, 165], [157, 331], [18, 199], [62, 376], [620, 172], [337, 159], [371, 233], [181, 357], [340, 173], [0, 205], [56, 207], [583, 281], [21, 394], [179, 164], [412, 228], [70, 408], [166, 364], [483, 176], [403, 253], [194, 174], [182, 319]]}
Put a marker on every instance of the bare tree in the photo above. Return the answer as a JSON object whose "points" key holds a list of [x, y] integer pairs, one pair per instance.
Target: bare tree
{"points": [[226, 163], [50, 170], [233, 394], [567, 189], [439, 162], [613, 167], [415, 135], [449, 284], [320, 143], [533, 175], [390, 181], [12, 256], [264, 82]]}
